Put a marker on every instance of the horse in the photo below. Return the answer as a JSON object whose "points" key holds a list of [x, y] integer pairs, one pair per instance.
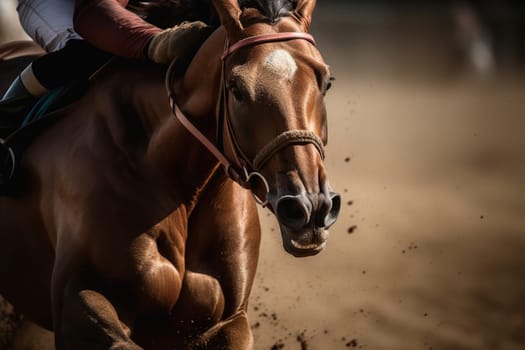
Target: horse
{"points": [[132, 221]]}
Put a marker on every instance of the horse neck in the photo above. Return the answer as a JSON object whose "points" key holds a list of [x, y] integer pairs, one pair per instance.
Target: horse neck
{"points": [[177, 154], [196, 93]]}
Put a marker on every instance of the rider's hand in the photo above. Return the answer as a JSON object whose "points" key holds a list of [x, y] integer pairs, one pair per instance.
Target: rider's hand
{"points": [[177, 42]]}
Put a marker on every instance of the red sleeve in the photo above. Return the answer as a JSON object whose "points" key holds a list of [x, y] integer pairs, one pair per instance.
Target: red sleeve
{"points": [[108, 25]]}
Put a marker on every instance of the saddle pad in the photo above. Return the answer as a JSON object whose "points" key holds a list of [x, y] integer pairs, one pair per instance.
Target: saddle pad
{"points": [[53, 100]]}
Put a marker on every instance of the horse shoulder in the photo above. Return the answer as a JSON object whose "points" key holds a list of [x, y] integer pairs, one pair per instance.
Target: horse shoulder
{"points": [[146, 268], [88, 196]]}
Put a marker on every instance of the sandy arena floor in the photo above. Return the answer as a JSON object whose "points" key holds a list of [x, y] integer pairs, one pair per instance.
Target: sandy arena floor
{"points": [[428, 251]]}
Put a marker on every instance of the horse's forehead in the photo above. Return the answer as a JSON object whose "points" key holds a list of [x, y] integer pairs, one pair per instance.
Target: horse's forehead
{"points": [[280, 63], [269, 68]]}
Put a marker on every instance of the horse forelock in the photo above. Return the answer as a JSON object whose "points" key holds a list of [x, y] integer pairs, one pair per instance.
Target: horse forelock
{"points": [[166, 13], [273, 9]]}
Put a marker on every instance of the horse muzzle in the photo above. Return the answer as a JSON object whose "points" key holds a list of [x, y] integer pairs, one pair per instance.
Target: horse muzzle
{"points": [[304, 220]]}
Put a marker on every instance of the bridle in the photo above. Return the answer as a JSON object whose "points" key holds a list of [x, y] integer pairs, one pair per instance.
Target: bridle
{"points": [[242, 169]]}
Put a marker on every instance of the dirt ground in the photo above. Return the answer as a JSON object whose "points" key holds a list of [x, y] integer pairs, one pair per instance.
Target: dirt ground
{"points": [[428, 252], [430, 158]]}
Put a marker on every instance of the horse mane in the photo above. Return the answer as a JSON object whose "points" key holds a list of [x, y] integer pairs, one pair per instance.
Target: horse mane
{"points": [[167, 13], [273, 9]]}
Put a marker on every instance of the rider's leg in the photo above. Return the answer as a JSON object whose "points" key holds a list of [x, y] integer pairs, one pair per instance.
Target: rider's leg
{"points": [[25, 88], [50, 24], [56, 69]]}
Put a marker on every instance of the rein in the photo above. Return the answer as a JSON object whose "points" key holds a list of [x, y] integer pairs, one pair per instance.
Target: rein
{"points": [[243, 170]]}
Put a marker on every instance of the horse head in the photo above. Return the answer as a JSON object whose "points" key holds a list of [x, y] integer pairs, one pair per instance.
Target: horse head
{"points": [[271, 117]]}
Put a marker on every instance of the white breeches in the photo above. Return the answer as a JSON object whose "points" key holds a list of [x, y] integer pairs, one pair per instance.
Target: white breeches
{"points": [[48, 22]]}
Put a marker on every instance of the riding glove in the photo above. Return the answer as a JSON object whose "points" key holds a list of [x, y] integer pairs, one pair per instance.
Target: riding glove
{"points": [[178, 42]]}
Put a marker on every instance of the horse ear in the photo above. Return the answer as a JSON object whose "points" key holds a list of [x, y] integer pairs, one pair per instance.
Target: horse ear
{"points": [[304, 10], [229, 12]]}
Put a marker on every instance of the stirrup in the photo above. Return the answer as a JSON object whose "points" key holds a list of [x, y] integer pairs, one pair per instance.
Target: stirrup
{"points": [[7, 163]]}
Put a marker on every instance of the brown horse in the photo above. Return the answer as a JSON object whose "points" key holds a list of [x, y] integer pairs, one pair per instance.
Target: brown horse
{"points": [[122, 231]]}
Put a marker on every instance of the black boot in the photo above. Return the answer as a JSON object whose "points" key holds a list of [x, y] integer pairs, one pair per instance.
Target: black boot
{"points": [[23, 92], [14, 106], [7, 163]]}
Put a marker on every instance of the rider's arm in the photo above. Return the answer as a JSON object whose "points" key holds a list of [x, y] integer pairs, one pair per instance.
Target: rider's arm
{"points": [[108, 25]]}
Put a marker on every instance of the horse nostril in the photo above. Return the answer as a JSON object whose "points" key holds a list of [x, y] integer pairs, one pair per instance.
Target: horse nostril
{"points": [[333, 213], [293, 212]]}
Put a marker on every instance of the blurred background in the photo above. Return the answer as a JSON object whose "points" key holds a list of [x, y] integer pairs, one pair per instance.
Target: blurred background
{"points": [[427, 146]]}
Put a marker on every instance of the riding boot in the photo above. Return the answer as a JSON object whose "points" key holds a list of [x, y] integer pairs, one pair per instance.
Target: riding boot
{"points": [[7, 163], [19, 98], [47, 72]]}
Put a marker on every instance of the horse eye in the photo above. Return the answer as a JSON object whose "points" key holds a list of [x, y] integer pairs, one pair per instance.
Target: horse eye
{"points": [[235, 91], [328, 84]]}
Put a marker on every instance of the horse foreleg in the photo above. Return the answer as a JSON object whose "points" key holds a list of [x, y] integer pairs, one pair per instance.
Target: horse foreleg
{"points": [[233, 333], [89, 321], [226, 236], [201, 299], [200, 306]]}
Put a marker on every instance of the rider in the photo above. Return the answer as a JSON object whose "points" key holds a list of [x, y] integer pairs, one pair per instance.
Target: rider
{"points": [[88, 31]]}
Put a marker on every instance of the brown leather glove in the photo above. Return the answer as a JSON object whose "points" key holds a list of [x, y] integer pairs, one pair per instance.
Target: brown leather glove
{"points": [[178, 42]]}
